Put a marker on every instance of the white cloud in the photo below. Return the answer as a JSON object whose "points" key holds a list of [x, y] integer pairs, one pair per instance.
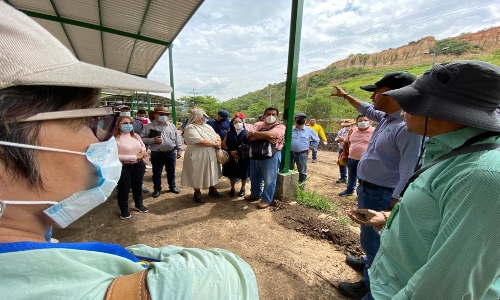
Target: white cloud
{"points": [[230, 48]]}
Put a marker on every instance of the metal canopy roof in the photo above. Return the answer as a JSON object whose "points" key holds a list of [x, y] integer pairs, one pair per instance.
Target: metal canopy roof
{"points": [[125, 35]]}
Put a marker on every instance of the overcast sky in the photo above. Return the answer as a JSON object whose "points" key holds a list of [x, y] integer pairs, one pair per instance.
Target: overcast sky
{"points": [[232, 47]]}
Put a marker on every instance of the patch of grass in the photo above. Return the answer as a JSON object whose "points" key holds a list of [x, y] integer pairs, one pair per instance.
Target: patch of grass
{"points": [[345, 221], [314, 200]]}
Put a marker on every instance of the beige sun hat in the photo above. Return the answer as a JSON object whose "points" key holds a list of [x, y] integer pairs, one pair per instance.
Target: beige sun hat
{"points": [[30, 55], [348, 122]]}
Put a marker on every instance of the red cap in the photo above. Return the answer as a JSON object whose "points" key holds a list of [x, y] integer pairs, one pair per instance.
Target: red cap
{"points": [[239, 115]]}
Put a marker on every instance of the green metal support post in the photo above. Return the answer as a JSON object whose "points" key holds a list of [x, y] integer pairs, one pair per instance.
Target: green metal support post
{"points": [[172, 100], [149, 101], [291, 79]]}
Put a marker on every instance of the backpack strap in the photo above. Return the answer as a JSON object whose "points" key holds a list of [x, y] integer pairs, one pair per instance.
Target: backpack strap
{"points": [[133, 286]]}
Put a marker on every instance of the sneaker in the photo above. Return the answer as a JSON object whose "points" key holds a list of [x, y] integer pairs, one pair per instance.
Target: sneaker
{"points": [[341, 180], [357, 263], [355, 290], [124, 214], [148, 167], [145, 189], [156, 194], [315, 160], [346, 193], [141, 208]]}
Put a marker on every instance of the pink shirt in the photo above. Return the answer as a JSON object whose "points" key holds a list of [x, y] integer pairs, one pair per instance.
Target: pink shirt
{"points": [[359, 142], [279, 130], [128, 146]]}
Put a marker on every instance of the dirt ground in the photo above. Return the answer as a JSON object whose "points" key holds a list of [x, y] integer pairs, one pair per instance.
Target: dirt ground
{"points": [[289, 247]]}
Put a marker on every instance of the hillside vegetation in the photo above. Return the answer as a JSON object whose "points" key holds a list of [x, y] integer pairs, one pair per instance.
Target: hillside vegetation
{"points": [[314, 89]]}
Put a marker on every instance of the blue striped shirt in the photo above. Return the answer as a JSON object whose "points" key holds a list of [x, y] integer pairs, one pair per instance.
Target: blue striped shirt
{"points": [[392, 153], [303, 139]]}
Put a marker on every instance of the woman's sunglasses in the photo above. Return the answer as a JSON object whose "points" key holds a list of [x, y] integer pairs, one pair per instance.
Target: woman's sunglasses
{"points": [[101, 120]]}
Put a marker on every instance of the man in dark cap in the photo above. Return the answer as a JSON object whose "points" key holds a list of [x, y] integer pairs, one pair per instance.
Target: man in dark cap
{"points": [[384, 168], [220, 123], [304, 139], [441, 241]]}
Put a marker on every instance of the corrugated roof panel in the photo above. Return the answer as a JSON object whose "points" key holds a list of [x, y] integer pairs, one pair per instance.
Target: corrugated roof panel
{"points": [[166, 18], [55, 28], [88, 43], [126, 17], [117, 51], [41, 6], [84, 11], [144, 57]]}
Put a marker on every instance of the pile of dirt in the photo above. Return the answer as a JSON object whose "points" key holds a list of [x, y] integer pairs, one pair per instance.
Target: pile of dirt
{"points": [[305, 220], [332, 144]]}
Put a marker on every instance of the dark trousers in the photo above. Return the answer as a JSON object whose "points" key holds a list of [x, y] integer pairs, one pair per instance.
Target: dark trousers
{"points": [[132, 175], [160, 160]]}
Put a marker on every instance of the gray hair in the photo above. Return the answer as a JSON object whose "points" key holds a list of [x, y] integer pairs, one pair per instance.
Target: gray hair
{"points": [[19, 102]]}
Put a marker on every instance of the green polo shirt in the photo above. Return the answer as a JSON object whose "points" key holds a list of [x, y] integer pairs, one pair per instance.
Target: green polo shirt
{"points": [[444, 241]]}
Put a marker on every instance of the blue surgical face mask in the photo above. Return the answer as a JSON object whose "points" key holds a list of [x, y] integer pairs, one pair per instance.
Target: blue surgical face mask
{"points": [[126, 127], [162, 119], [104, 156]]}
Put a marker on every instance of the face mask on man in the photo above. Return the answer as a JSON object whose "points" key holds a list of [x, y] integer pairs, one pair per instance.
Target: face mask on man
{"points": [[104, 156], [238, 126], [364, 124], [301, 121], [270, 119], [162, 119]]}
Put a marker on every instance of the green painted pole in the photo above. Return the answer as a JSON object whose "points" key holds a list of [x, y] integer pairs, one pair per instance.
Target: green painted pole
{"points": [[291, 79], [172, 94]]}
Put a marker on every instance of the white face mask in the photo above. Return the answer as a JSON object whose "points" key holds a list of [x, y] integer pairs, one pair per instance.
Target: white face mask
{"points": [[104, 156], [124, 114], [238, 126], [270, 119], [364, 124]]}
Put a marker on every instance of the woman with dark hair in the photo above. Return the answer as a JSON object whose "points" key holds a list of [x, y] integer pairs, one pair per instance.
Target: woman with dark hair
{"points": [[239, 163], [131, 151]]}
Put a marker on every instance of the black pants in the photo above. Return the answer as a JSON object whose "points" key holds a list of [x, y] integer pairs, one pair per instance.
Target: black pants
{"points": [[132, 175], [160, 160]]}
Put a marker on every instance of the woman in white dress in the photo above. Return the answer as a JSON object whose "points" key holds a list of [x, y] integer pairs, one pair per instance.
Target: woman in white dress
{"points": [[200, 168]]}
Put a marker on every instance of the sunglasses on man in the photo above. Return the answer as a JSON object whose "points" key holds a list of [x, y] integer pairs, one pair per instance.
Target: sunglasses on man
{"points": [[101, 120]]}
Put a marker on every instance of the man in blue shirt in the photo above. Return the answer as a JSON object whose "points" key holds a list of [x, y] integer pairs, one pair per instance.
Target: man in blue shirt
{"points": [[384, 168], [304, 139], [220, 123]]}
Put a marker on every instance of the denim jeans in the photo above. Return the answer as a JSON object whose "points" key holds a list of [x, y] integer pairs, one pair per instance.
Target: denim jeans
{"points": [[315, 152], [267, 170], [352, 174], [160, 160], [377, 199], [301, 161], [342, 169]]}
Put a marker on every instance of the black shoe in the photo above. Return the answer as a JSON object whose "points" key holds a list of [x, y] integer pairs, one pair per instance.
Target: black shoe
{"points": [[214, 193], [356, 290], [232, 193], [197, 197], [174, 190], [141, 208], [156, 194], [357, 263], [124, 214], [341, 180], [241, 193], [346, 193]]}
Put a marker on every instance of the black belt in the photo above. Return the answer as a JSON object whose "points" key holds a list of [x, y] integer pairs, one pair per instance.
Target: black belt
{"points": [[372, 185], [299, 152], [169, 151]]}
